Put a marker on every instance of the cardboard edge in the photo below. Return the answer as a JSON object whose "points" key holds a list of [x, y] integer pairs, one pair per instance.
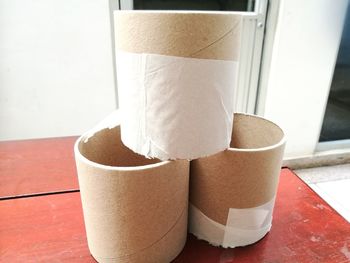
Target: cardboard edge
{"points": [[182, 12], [108, 123], [261, 149]]}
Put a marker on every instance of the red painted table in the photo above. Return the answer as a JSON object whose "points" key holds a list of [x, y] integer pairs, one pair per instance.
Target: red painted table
{"points": [[41, 217], [37, 166]]}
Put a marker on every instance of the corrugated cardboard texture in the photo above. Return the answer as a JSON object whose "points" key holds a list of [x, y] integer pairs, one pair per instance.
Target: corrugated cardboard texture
{"points": [[183, 34], [244, 176], [132, 213]]}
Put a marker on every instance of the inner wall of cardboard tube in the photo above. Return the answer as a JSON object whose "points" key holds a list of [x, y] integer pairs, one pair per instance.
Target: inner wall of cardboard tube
{"points": [[253, 132], [105, 147]]}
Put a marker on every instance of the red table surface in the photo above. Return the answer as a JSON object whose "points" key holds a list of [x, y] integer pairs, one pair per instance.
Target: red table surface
{"points": [[50, 228], [37, 166]]}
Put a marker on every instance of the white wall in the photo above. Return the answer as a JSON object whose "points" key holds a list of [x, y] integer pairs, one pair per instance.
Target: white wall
{"points": [[56, 67], [303, 58]]}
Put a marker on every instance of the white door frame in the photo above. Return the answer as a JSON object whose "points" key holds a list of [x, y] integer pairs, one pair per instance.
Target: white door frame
{"points": [[253, 31], [294, 89]]}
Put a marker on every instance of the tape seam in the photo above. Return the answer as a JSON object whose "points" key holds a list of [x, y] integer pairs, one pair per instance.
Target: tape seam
{"points": [[146, 147], [215, 41]]}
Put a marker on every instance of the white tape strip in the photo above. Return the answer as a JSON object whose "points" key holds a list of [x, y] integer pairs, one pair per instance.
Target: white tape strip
{"points": [[243, 227], [175, 107]]}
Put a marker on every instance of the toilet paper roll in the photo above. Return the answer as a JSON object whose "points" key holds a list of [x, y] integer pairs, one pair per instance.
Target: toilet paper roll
{"points": [[135, 209], [232, 193], [176, 76]]}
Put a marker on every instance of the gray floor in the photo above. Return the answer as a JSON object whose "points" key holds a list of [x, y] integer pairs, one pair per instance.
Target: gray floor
{"points": [[332, 183]]}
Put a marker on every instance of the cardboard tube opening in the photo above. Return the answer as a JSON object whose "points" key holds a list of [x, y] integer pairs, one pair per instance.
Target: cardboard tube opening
{"points": [[254, 132], [106, 148]]}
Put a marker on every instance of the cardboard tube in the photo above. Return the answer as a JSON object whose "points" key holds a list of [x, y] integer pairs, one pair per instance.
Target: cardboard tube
{"points": [[176, 77], [135, 209], [205, 35], [240, 179]]}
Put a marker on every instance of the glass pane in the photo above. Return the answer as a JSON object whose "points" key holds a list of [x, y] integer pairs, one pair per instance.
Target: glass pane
{"points": [[336, 122], [220, 5]]}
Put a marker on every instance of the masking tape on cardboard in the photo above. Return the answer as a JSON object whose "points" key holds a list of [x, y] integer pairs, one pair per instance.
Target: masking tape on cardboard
{"points": [[175, 107], [244, 226]]}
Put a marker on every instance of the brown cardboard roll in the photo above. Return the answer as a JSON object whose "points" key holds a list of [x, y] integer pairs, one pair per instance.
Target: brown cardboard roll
{"points": [[240, 180], [177, 71], [207, 35], [135, 209]]}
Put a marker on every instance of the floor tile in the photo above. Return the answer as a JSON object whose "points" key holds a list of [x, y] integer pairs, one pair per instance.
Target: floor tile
{"points": [[332, 183]]}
